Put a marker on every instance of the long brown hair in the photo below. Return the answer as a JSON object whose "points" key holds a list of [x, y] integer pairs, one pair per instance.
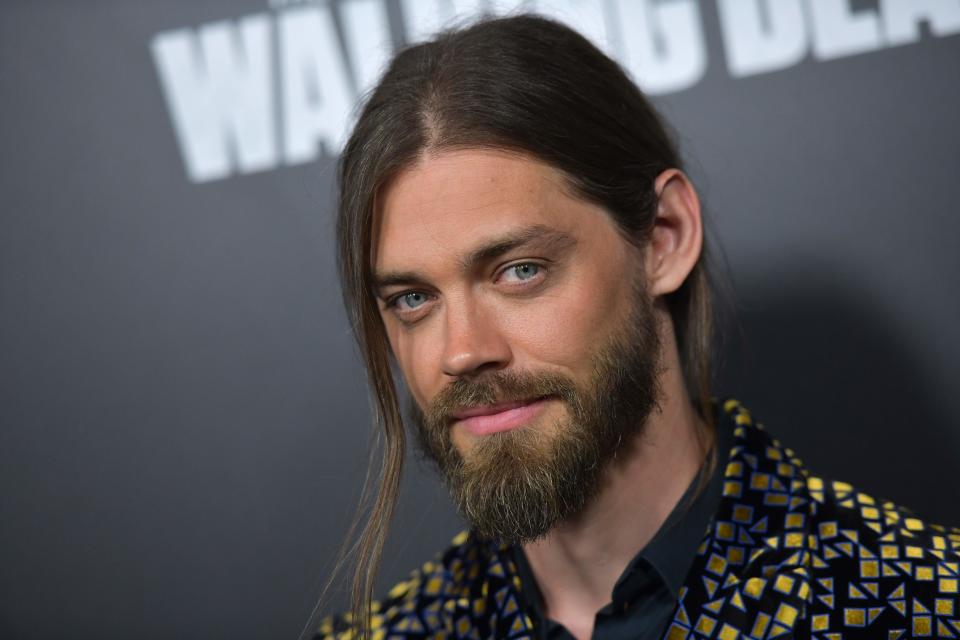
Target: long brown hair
{"points": [[524, 83]]}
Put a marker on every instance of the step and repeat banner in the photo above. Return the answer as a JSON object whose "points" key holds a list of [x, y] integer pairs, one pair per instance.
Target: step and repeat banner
{"points": [[184, 422]]}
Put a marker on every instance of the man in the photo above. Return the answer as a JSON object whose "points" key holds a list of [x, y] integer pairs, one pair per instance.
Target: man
{"points": [[518, 239]]}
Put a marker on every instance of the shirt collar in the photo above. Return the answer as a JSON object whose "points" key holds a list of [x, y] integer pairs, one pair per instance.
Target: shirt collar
{"points": [[673, 547]]}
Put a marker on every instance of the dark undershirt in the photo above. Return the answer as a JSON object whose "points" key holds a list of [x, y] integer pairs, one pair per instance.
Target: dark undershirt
{"points": [[645, 595]]}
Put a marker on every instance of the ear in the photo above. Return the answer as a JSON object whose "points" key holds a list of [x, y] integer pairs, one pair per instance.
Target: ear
{"points": [[677, 236]]}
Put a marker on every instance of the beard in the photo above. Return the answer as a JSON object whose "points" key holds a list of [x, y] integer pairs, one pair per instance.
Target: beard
{"points": [[516, 485]]}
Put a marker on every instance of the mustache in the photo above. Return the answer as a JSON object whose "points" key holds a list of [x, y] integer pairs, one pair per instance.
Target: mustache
{"points": [[495, 388]]}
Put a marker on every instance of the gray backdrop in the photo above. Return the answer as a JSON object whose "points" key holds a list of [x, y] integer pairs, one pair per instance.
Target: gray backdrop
{"points": [[183, 420]]}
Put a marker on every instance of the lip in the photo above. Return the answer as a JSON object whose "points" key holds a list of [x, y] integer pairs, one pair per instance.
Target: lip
{"points": [[481, 421]]}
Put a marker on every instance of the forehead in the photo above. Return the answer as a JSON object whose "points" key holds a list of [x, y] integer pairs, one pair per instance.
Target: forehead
{"points": [[448, 201]]}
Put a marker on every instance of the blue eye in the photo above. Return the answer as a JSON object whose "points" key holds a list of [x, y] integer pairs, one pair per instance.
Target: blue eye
{"points": [[411, 300], [524, 270]]}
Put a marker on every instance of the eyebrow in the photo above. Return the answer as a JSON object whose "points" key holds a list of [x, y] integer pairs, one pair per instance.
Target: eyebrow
{"points": [[541, 236]]}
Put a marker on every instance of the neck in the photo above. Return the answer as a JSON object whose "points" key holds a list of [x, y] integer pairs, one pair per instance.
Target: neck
{"points": [[577, 564]]}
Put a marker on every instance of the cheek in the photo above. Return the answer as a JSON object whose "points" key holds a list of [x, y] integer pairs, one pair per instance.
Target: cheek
{"points": [[418, 359], [565, 327]]}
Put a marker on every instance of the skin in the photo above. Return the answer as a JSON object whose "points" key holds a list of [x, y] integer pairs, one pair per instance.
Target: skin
{"points": [[446, 319]]}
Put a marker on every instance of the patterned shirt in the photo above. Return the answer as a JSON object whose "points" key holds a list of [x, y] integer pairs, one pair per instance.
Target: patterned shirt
{"points": [[786, 554]]}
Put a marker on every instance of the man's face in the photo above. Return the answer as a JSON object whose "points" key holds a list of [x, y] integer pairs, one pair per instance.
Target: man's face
{"points": [[518, 316]]}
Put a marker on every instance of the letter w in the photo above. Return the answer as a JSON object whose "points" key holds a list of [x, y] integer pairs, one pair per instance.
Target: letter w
{"points": [[218, 88]]}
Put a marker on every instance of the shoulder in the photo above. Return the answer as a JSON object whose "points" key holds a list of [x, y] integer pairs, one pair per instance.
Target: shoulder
{"points": [[420, 606], [876, 565], [792, 550]]}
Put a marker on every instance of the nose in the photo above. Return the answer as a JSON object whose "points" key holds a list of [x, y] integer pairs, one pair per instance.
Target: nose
{"points": [[473, 341]]}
